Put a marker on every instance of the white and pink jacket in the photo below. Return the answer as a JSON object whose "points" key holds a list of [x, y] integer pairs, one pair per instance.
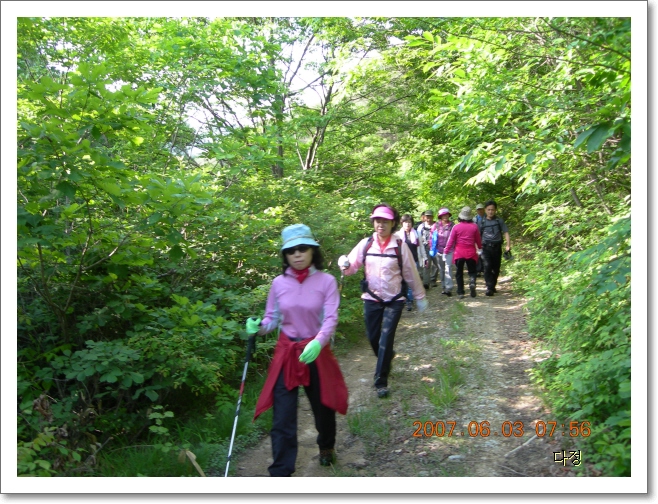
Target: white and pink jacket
{"points": [[383, 273]]}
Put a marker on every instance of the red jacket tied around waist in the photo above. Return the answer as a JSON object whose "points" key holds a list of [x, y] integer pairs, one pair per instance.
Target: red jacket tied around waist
{"points": [[333, 390]]}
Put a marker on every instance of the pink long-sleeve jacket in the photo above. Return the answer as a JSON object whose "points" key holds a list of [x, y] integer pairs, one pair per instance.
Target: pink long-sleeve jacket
{"points": [[303, 310], [465, 240], [383, 273]]}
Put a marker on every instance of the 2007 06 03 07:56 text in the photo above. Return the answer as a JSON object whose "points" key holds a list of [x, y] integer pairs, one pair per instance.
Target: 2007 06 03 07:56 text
{"points": [[507, 428]]}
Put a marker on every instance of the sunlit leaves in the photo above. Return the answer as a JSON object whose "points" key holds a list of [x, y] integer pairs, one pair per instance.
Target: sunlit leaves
{"points": [[531, 90]]}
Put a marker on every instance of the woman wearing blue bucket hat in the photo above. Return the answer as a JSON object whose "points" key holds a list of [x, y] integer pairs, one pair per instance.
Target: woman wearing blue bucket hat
{"points": [[303, 304]]}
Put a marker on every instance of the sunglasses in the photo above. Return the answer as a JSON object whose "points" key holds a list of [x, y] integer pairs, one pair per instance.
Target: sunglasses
{"points": [[301, 248]]}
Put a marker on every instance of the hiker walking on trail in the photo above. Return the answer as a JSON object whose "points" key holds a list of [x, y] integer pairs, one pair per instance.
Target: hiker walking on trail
{"points": [[492, 230], [479, 217], [303, 304], [430, 268], [410, 237], [389, 270], [465, 241], [440, 234]]}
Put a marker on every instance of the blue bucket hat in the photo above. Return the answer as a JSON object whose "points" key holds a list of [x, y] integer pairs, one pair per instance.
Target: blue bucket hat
{"points": [[297, 234]]}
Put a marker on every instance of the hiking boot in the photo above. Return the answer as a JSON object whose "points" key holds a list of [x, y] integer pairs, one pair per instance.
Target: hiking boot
{"points": [[472, 287], [382, 392], [448, 293], [489, 293], [410, 305], [327, 457], [427, 286]]}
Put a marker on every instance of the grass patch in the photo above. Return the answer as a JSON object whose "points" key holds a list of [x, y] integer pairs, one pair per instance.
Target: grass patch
{"points": [[370, 425], [456, 356], [443, 392]]}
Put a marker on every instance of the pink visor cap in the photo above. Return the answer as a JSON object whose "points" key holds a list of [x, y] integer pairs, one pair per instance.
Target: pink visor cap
{"points": [[382, 213], [444, 211]]}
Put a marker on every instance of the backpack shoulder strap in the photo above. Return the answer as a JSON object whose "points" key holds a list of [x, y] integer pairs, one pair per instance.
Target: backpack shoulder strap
{"points": [[398, 252], [365, 252]]}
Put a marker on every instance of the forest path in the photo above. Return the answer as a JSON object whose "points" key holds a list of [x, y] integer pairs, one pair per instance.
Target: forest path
{"points": [[461, 361]]}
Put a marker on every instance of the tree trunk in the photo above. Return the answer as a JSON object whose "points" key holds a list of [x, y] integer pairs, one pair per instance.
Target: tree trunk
{"points": [[575, 198]]}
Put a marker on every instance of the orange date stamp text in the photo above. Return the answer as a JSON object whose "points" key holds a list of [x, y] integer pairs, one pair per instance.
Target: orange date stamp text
{"points": [[507, 428]]}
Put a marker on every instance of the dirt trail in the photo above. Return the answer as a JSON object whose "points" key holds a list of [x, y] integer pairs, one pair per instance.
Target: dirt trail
{"points": [[462, 361]]}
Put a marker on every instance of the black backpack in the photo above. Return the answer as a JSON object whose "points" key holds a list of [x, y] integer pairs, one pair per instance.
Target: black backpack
{"points": [[497, 223], [398, 254], [426, 237]]}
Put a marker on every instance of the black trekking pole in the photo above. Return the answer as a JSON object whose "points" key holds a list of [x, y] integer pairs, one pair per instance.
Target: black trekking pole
{"points": [[250, 349]]}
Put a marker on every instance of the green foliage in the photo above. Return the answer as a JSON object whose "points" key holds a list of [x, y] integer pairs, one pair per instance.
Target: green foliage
{"points": [[580, 306], [187, 344], [158, 415], [30, 462]]}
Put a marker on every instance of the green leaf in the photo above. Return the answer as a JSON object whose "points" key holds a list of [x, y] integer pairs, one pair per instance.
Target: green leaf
{"points": [[625, 389], [583, 136], [152, 395], [117, 165], [96, 132], [415, 42], [137, 377], [66, 189], [606, 287], [154, 217], [176, 253], [109, 377], [45, 174], [109, 187], [598, 136], [43, 463]]}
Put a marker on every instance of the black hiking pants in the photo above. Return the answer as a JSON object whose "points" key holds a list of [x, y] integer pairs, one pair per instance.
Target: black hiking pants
{"points": [[284, 423], [492, 253], [381, 322], [459, 275]]}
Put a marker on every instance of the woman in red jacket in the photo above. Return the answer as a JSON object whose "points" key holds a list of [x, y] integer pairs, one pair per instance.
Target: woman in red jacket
{"points": [[466, 241]]}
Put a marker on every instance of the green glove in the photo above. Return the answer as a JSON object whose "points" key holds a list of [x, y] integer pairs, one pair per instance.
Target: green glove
{"points": [[311, 352], [253, 325]]}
